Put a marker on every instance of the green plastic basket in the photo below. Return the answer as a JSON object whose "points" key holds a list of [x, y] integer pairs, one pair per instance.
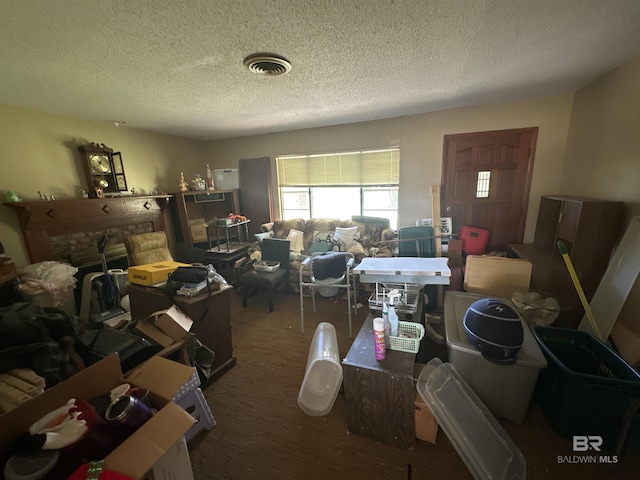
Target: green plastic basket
{"points": [[408, 339]]}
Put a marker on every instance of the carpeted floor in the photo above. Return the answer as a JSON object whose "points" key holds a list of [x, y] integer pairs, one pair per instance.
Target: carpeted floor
{"points": [[261, 432]]}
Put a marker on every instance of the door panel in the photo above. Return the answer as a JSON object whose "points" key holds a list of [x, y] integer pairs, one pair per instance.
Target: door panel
{"points": [[508, 156], [255, 191]]}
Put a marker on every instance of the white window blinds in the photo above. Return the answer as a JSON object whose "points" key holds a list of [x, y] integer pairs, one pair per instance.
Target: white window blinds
{"points": [[371, 167]]}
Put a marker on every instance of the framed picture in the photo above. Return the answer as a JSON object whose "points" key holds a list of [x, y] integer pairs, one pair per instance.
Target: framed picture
{"points": [[121, 182], [118, 169]]}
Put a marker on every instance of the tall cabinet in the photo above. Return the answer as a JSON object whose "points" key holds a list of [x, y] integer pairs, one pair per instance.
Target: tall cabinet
{"points": [[588, 228], [192, 209]]}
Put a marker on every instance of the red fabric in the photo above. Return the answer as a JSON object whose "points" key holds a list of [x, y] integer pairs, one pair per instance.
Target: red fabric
{"points": [[80, 474]]}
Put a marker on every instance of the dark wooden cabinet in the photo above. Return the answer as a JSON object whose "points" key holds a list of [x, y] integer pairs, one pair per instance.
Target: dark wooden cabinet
{"points": [[379, 395], [588, 228], [255, 191], [211, 315], [191, 209]]}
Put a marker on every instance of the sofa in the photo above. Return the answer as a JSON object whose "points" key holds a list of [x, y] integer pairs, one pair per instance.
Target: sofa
{"points": [[372, 239]]}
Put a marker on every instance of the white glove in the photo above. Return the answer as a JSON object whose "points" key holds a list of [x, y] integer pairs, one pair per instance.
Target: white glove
{"points": [[67, 433], [55, 416]]}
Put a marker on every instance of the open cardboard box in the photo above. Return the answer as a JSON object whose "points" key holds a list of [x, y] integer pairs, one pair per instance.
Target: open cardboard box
{"points": [[147, 445], [165, 327]]}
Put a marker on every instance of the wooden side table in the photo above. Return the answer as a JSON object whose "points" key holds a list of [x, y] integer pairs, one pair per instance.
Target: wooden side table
{"points": [[213, 328], [379, 395]]}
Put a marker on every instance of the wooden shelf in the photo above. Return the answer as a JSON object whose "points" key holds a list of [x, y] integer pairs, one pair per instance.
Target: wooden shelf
{"points": [[588, 228]]}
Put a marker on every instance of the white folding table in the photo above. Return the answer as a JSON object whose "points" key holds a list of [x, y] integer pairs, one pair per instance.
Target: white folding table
{"points": [[415, 270]]}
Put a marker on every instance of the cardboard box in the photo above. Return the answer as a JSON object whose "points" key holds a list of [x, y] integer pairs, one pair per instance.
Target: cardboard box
{"points": [[198, 230], [497, 276], [151, 273], [174, 465], [426, 424], [138, 454], [165, 327]]}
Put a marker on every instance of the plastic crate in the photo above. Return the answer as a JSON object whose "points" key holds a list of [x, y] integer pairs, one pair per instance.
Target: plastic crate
{"points": [[586, 388], [408, 339]]}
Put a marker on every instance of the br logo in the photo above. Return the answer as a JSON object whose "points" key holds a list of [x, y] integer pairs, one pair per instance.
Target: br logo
{"points": [[583, 443]]}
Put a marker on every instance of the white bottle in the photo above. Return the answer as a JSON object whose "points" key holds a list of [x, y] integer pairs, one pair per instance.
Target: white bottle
{"points": [[387, 324], [393, 316], [393, 320]]}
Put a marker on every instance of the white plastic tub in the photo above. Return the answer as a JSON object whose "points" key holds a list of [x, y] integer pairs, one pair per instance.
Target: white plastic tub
{"points": [[323, 374], [484, 446], [505, 389]]}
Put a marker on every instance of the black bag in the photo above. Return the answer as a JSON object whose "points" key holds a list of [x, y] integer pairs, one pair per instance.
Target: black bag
{"points": [[329, 265], [189, 275]]}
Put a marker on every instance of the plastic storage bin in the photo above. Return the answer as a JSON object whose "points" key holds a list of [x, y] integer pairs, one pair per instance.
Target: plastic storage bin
{"points": [[484, 446], [226, 178], [505, 389], [323, 374], [587, 388]]}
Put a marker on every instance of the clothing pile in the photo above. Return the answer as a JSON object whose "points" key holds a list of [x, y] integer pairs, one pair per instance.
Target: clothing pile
{"points": [[17, 386]]}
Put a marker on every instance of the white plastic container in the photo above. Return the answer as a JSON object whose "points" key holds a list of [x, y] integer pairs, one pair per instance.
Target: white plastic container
{"points": [[225, 178], [484, 446], [323, 375], [505, 389]]}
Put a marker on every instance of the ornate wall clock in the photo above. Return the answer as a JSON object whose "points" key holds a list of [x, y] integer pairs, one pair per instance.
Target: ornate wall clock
{"points": [[104, 170]]}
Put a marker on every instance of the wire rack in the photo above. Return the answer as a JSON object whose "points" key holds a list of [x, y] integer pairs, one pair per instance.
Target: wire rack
{"points": [[407, 302]]}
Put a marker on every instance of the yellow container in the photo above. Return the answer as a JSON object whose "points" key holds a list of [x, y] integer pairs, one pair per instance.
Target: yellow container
{"points": [[153, 272]]}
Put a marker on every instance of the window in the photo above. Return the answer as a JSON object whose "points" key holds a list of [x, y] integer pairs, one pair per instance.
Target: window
{"points": [[339, 185], [482, 187]]}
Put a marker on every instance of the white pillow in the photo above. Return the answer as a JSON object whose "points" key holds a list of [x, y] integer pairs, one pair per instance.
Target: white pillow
{"points": [[345, 236], [296, 236], [262, 236]]}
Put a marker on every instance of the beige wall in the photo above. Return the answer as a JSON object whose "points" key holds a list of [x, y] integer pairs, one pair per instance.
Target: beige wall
{"points": [[39, 151], [603, 145], [420, 138]]}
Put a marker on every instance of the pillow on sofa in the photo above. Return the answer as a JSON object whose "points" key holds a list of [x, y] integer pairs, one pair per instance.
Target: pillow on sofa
{"points": [[323, 241], [296, 238], [262, 236], [318, 247], [345, 236]]}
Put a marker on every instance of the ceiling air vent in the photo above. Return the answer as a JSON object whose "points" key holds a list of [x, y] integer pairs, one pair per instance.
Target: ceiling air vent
{"points": [[267, 64]]}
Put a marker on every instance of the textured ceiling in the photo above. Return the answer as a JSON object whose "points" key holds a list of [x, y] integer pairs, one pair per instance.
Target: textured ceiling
{"points": [[176, 66]]}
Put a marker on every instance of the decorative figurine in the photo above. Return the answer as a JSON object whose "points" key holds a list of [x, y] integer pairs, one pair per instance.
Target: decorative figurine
{"points": [[210, 185], [184, 186], [42, 196]]}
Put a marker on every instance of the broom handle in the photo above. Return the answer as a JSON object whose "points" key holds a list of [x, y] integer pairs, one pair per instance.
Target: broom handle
{"points": [[576, 283]]}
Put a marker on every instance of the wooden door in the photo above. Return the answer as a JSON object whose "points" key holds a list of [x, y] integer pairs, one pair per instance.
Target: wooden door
{"points": [[254, 175], [485, 182]]}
